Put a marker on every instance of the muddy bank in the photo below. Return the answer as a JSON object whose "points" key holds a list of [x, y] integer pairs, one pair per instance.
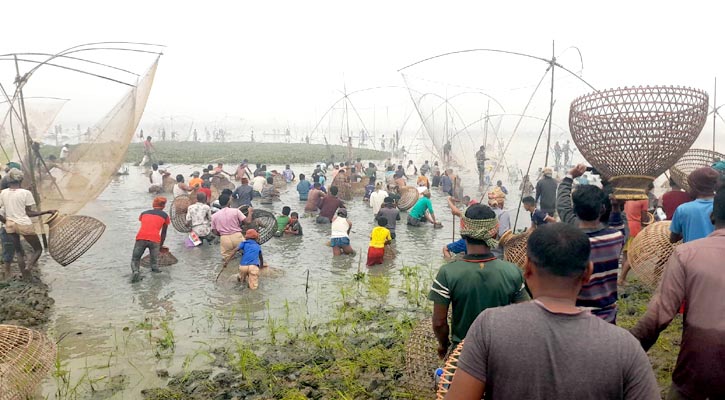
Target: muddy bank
{"points": [[358, 355], [25, 303]]}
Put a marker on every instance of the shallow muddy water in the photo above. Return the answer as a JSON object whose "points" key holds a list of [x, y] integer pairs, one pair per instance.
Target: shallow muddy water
{"points": [[115, 336]]}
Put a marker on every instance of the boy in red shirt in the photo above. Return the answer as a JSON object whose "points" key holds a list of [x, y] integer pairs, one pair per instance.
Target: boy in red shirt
{"points": [[151, 235]]}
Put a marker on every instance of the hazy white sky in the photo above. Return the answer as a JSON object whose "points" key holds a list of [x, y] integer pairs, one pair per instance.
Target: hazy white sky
{"points": [[287, 61]]}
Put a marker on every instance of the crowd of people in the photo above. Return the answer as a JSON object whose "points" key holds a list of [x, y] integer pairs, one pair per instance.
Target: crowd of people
{"points": [[580, 233]]}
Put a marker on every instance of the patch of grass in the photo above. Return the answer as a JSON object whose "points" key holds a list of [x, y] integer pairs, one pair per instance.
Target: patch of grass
{"points": [[234, 152], [632, 305]]}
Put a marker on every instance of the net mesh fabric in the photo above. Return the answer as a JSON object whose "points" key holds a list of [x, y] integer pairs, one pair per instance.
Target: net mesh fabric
{"points": [[91, 165]]}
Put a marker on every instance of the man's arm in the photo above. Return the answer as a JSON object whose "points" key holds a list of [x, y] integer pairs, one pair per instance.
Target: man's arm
{"points": [[664, 305], [441, 328], [163, 234], [563, 201], [454, 210], [261, 259], [466, 387], [676, 228], [31, 213]]}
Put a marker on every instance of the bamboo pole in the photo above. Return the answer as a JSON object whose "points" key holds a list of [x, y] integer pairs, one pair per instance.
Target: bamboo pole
{"points": [[714, 115], [528, 169], [551, 102]]}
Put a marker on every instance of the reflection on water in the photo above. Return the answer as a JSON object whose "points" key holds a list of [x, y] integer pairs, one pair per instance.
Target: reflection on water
{"points": [[110, 323]]}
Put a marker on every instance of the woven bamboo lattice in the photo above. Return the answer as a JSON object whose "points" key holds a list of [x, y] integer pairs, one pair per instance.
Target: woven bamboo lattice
{"points": [[25, 359], [690, 161], [448, 371], [421, 359], [263, 221], [70, 236], [165, 259], [514, 247], [358, 188], [168, 184], [408, 197], [178, 212], [632, 135], [649, 251], [279, 181]]}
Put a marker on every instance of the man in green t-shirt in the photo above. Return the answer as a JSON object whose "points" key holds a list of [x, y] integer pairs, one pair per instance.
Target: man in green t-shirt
{"points": [[475, 283], [422, 211], [282, 221]]}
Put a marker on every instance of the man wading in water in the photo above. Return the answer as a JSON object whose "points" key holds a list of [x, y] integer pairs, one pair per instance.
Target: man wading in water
{"points": [[16, 203], [151, 235]]}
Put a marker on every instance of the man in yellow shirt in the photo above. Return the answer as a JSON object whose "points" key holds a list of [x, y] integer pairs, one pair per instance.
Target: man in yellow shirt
{"points": [[379, 237], [195, 181]]}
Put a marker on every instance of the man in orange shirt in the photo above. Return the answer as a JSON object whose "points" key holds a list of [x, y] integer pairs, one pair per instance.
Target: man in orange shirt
{"points": [[637, 219], [195, 181]]}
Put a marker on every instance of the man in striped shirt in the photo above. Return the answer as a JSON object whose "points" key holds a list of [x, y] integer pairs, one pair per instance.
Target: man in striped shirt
{"points": [[583, 209]]}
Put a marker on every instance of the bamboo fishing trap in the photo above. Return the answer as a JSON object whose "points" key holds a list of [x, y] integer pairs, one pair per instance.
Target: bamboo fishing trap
{"points": [[514, 247], [632, 135], [690, 161], [444, 384], [421, 359], [408, 198], [649, 251], [179, 207], [263, 221], [165, 258], [25, 359], [71, 236]]}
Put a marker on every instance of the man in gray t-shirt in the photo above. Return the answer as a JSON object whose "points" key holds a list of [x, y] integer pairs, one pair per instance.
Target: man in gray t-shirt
{"points": [[548, 348]]}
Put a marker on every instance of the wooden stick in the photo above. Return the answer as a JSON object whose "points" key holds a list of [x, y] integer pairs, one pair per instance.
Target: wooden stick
{"points": [[225, 265]]}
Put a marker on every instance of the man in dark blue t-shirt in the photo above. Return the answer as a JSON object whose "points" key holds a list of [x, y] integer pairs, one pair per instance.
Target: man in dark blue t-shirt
{"points": [[538, 217]]}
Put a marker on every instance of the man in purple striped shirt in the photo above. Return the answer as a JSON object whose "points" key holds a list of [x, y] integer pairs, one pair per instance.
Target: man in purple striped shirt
{"points": [[600, 294]]}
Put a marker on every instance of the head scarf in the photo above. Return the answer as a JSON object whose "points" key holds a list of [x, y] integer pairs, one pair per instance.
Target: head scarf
{"points": [[703, 182], [481, 229], [13, 164], [159, 202], [15, 175], [251, 234]]}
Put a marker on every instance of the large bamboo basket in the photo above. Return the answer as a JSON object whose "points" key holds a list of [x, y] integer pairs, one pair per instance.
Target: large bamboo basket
{"points": [[690, 161], [358, 188], [26, 356], [632, 135], [279, 181], [408, 197], [649, 251], [263, 221], [514, 247], [178, 209], [166, 259], [421, 359], [168, 184], [70, 236], [444, 384]]}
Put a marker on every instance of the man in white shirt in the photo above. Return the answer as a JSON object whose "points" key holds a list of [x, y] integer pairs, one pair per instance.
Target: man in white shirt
{"points": [[157, 179], [377, 198], [17, 204], [64, 153], [257, 185]]}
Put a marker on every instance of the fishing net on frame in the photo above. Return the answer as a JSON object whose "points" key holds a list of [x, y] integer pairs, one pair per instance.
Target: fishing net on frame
{"points": [[690, 161], [26, 356], [649, 251], [421, 359], [91, 165]]}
